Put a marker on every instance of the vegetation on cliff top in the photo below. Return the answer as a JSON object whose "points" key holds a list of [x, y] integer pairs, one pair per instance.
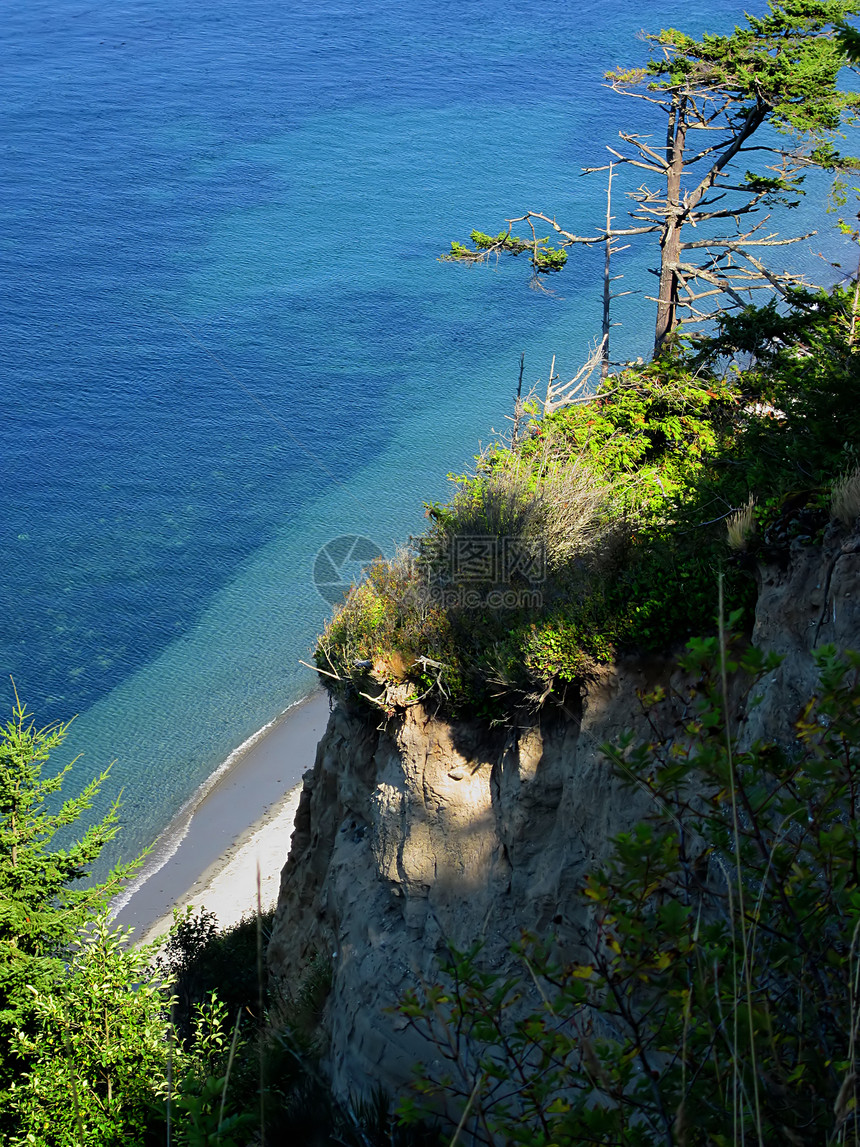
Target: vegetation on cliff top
{"points": [[602, 529]]}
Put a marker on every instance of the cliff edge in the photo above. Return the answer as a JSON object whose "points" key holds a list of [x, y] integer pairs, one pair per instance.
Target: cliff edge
{"points": [[413, 832]]}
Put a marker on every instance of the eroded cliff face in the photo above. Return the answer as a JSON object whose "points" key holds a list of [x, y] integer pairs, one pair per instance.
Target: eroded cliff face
{"points": [[420, 832]]}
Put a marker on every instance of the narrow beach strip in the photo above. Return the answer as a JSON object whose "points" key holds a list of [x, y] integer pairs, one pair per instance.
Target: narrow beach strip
{"points": [[245, 817]]}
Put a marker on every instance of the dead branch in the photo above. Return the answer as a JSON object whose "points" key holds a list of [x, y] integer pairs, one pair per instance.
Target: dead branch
{"points": [[565, 395]]}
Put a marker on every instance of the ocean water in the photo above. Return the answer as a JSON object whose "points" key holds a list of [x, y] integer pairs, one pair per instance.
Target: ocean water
{"points": [[227, 340]]}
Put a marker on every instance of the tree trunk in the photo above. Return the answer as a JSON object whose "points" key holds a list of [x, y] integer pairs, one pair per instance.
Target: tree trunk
{"points": [[607, 280], [670, 238]]}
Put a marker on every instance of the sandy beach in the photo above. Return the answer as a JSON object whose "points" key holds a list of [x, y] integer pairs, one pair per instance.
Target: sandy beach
{"points": [[245, 820]]}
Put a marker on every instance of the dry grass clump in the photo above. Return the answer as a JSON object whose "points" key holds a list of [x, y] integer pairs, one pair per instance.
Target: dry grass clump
{"points": [[574, 500], [512, 541], [845, 497], [500, 504], [560, 506], [740, 526]]}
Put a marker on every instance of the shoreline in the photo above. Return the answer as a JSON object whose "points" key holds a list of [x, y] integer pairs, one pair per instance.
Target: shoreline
{"points": [[208, 855]]}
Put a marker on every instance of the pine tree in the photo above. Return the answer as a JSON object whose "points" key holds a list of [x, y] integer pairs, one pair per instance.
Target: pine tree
{"points": [[43, 907], [709, 165]]}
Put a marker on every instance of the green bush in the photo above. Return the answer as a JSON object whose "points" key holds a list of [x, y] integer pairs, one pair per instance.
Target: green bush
{"points": [[94, 1048], [199, 959]]}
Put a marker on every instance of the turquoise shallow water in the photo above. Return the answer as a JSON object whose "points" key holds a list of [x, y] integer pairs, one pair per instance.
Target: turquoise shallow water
{"points": [[227, 340]]}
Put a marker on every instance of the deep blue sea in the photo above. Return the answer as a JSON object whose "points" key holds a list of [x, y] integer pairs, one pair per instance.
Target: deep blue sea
{"points": [[226, 338]]}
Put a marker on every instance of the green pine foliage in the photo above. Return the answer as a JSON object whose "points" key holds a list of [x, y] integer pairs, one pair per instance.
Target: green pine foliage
{"points": [[786, 63], [88, 1051], [544, 257]]}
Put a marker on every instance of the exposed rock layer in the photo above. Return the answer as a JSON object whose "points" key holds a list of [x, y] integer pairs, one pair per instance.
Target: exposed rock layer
{"points": [[422, 831]]}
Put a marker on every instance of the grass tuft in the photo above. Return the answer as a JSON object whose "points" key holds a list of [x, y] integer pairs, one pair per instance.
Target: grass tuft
{"points": [[845, 498], [740, 527]]}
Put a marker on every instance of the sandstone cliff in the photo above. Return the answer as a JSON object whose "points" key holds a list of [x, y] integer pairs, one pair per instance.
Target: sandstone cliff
{"points": [[413, 831]]}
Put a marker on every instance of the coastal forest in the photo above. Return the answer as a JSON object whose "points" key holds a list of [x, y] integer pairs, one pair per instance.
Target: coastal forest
{"points": [[626, 513]]}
